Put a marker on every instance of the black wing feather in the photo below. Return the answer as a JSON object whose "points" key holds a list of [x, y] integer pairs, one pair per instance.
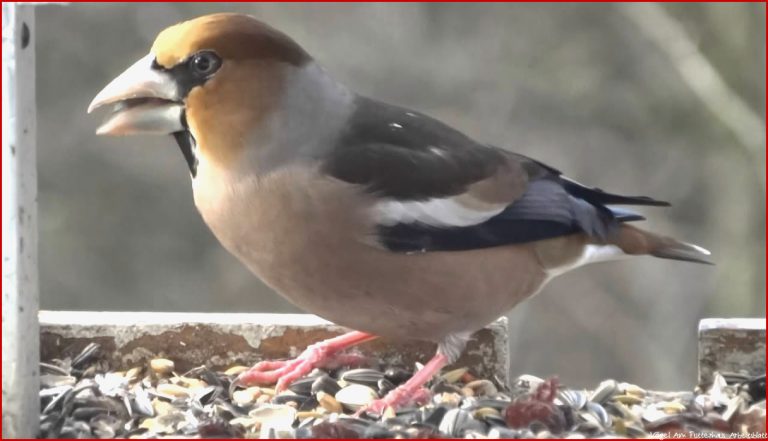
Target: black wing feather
{"points": [[406, 155], [598, 196], [403, 155], [545, 211]]}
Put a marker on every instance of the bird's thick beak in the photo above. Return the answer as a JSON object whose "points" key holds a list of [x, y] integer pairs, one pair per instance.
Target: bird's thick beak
{"points": [[146, 102]]}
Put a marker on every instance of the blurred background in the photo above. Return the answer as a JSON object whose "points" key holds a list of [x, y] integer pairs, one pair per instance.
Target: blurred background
{"points": [[664, 100]]}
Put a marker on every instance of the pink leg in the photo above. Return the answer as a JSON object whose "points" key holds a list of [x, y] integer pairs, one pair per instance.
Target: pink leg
{"points": [[287, 371], [410, 390]]}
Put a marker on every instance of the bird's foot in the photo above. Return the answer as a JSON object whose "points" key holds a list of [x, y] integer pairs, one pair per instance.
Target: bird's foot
{"points": [[412, 391], [399, 397], [285, 372]]}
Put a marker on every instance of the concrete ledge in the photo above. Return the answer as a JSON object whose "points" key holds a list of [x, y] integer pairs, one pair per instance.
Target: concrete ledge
{"points": [[223, 340], [734, 345]]}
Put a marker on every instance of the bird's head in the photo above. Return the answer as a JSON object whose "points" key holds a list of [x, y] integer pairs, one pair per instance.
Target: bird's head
{"points": [[210, 82]]}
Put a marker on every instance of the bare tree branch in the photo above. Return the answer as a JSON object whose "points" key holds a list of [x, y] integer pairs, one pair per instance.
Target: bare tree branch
{"points": [[669, 35]]}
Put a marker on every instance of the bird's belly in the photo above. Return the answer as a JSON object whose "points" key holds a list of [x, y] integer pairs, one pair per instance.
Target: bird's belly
{"points": [[423, 296], [310, 242]]}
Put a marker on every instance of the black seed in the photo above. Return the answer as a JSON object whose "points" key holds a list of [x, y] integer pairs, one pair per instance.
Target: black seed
{"points": [[384, 386], [397, 375], [87, 354], [285, 399], [86, 413], [302, 386], [326, 384], [209, 394], [309, 404], [495, 421], [436, 416], [367, 377]]}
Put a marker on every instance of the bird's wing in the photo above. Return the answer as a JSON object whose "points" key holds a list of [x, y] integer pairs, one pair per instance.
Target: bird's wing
{"points": [[439, 190]]}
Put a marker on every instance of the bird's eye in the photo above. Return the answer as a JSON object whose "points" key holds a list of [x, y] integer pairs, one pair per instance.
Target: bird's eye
{"points": [[205, 63]]}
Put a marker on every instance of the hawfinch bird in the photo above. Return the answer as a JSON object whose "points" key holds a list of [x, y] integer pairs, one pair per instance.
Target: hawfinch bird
{"points": [[376, 217]]}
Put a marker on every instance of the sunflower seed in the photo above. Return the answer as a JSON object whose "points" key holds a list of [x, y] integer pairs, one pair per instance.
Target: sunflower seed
{"points": [[481, 388], [246, 396], [302, 386], [57, 380], [328, 402], [632, 389], [173, 390], [278, 414], [527, 383], [628, 399], [673, 407], [454, 375], [85, 356], [125, 404], [50, 368], [576, 399], [356, 396], [484, 412], [604, 391], [367, 377], [161, 366], [324, 383], [602, 416], [457, 421], [235, 370]]}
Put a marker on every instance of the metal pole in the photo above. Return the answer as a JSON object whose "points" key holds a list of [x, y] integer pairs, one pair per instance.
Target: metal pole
{"points": [[21, 354]]}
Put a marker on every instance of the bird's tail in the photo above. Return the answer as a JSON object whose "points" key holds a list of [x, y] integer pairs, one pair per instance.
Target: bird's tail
{"points": [[634, 241]]}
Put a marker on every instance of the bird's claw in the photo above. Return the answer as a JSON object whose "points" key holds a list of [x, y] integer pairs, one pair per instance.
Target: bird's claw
{"points": [[283, 372], [396, 399], [322, 354]]}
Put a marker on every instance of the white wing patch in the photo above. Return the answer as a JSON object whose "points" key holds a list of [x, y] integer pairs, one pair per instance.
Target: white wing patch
{"points": [[591, 254], [445, 212]]}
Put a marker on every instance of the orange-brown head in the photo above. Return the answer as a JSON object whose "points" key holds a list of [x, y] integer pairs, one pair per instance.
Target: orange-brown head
{"points": [[216, 77]]}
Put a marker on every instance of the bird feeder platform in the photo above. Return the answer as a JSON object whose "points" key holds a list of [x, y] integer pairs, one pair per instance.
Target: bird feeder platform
{"points": [[149, 375], [222, 340]]}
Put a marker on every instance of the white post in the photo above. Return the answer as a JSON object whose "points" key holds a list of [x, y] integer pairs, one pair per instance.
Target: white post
{"points": [[21, 353]]}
